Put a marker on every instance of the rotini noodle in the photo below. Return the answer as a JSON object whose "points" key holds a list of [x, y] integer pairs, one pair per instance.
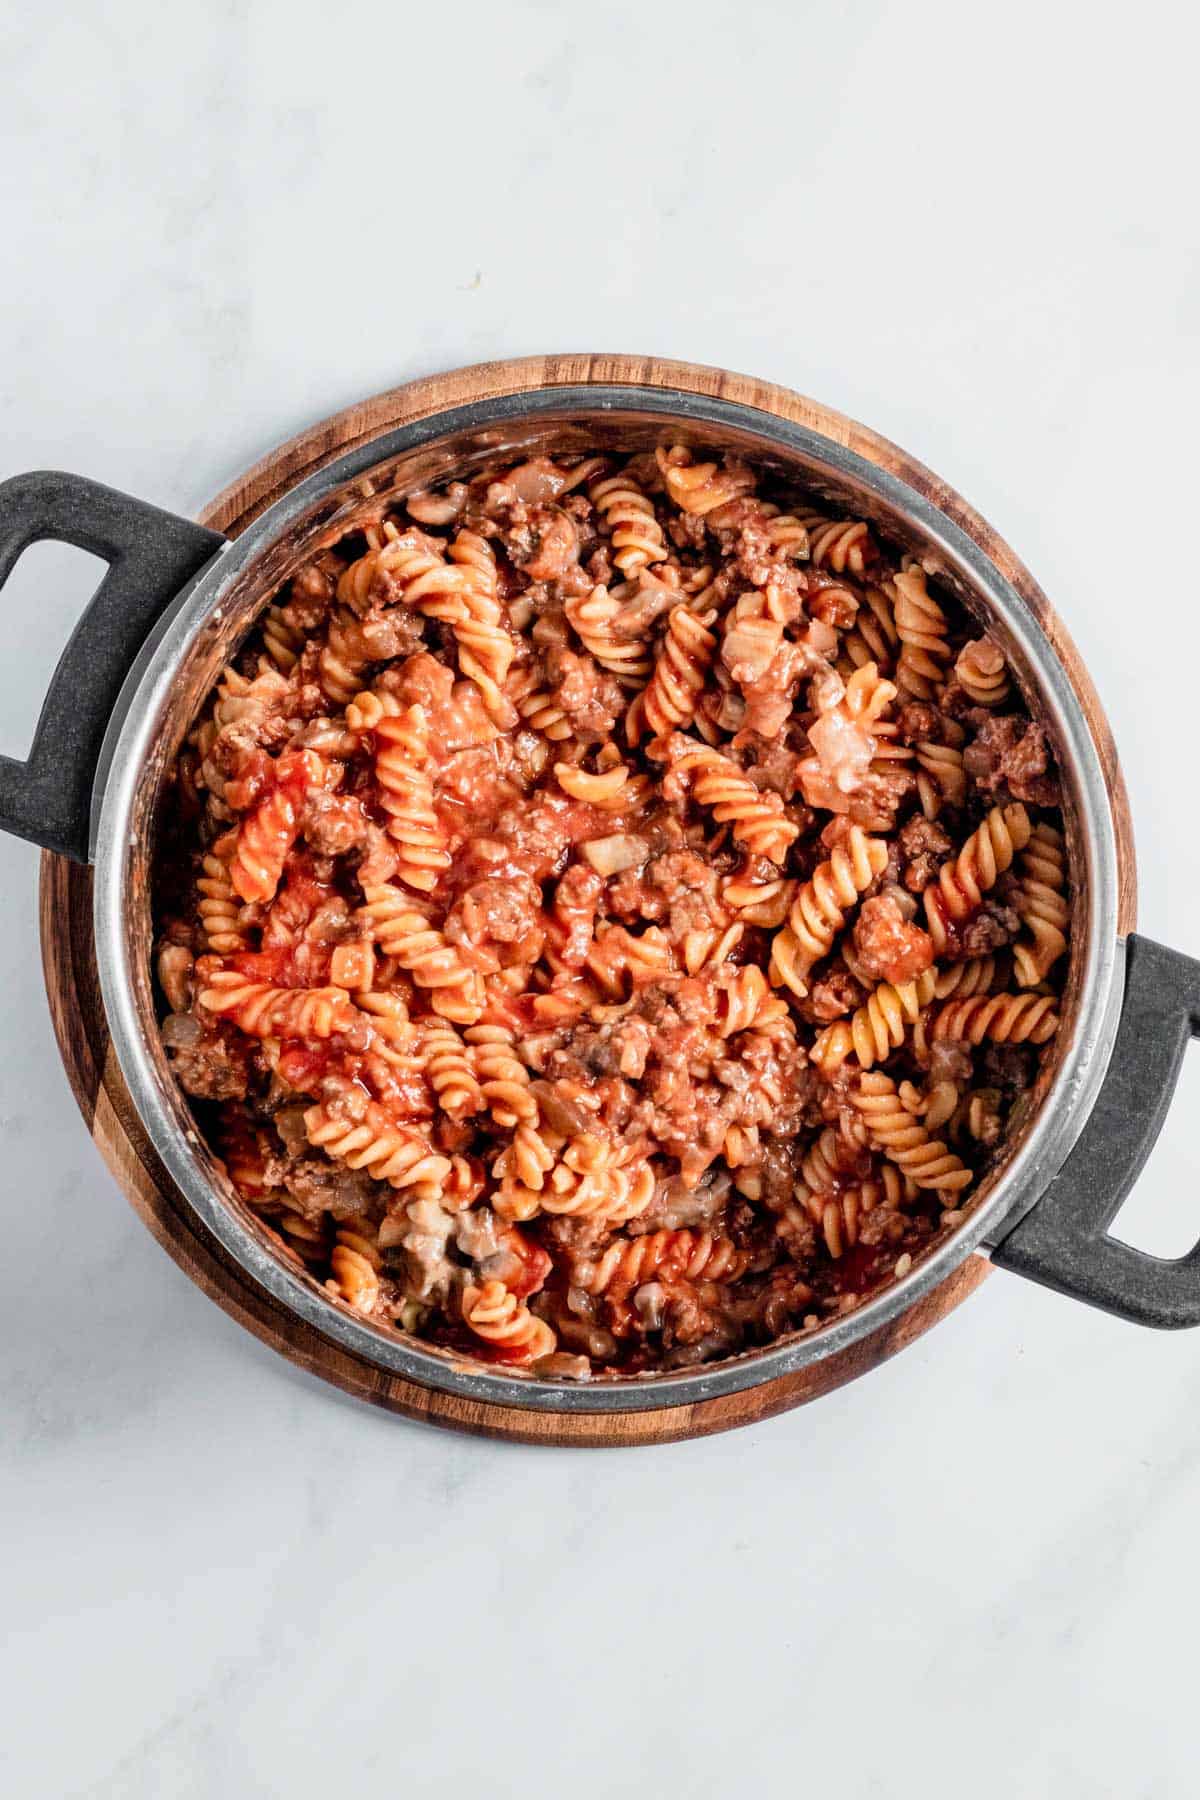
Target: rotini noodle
{"points": [[843, 545], [941, 779], [408, 937], [757, 820], [449, 1065], [392, 1153], [982, 672], [904, 1140], [669, 701], [1004, 1018], [406, 795], [818, 910], [261, 1010], [597, 619], [961, 883], [629, 519], [666, 1255], [700, 488], [354, 1266], [921, 625], [499, 1318], [1043, 906], [878, 1027], [502, 1076], [220, 907]]}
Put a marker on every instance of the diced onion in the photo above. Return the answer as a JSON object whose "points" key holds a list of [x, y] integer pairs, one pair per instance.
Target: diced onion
{"points": [[180, 1031], [609, 855]]}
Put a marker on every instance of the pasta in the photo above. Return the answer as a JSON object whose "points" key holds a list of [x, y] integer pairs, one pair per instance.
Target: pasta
{"points": [[354, 1267], [410, 940], [818, 912], [629, 519], [842, 545], [1042, 906], [878, 1027], [1005, 1018], [538, 709], [502, 1076], [485, 649], [903, 1139], [838, 1213], [757, 820], [499, 1318], [873, 636], [982, 672], [978, 975], [218, 911], [687, 1255], [345, 658], [448, 1061], [921, 628], [612, 632], [261, 1010], [700, 488], [679, 672], [941, 779], [958, 892], [268, 832], [406, 796], [282, 641], [392, 1153], [609, 911]]}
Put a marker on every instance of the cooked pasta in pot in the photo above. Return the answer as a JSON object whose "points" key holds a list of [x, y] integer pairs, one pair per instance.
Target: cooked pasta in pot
{"points": [[608, 912]]}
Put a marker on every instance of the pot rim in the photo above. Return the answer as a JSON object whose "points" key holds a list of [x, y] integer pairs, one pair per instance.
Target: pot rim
{"points": [[1048, 1138]]}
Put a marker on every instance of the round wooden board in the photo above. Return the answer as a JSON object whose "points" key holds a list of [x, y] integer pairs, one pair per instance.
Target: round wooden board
{"points": [[74, 994]]}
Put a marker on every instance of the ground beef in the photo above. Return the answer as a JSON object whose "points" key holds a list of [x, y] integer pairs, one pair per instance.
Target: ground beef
{"points": [[924, 846], [316, 1186], [773, 763], [209, 1063], [378, 862], [1012, 1068], [527, 839], [551, 546], [311, 592], [887, 946], [1010, 755], [501, 915], [591, 699], [993, 926], [835, 994], [333, 824], [918, 723]]}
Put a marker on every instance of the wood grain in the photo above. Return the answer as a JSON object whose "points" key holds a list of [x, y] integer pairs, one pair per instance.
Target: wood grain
{"points": [[73, 987]]}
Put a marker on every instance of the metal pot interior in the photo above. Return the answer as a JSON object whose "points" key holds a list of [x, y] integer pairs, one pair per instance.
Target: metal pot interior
{"points": [[166, 692]]}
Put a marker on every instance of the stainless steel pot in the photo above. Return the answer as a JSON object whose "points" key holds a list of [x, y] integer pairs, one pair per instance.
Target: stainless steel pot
{"points": [[177, 600]]}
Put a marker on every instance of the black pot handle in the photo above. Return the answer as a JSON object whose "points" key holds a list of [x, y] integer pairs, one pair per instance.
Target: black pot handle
{"points": [[1063, 1242], [151, 555]]}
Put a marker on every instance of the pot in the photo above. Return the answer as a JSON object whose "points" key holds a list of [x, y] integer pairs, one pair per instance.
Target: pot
{"points": [[177, 599]]}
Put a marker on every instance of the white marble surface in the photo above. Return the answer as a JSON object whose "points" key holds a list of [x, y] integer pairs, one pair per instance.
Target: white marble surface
{"points": [[974, 1572]]}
